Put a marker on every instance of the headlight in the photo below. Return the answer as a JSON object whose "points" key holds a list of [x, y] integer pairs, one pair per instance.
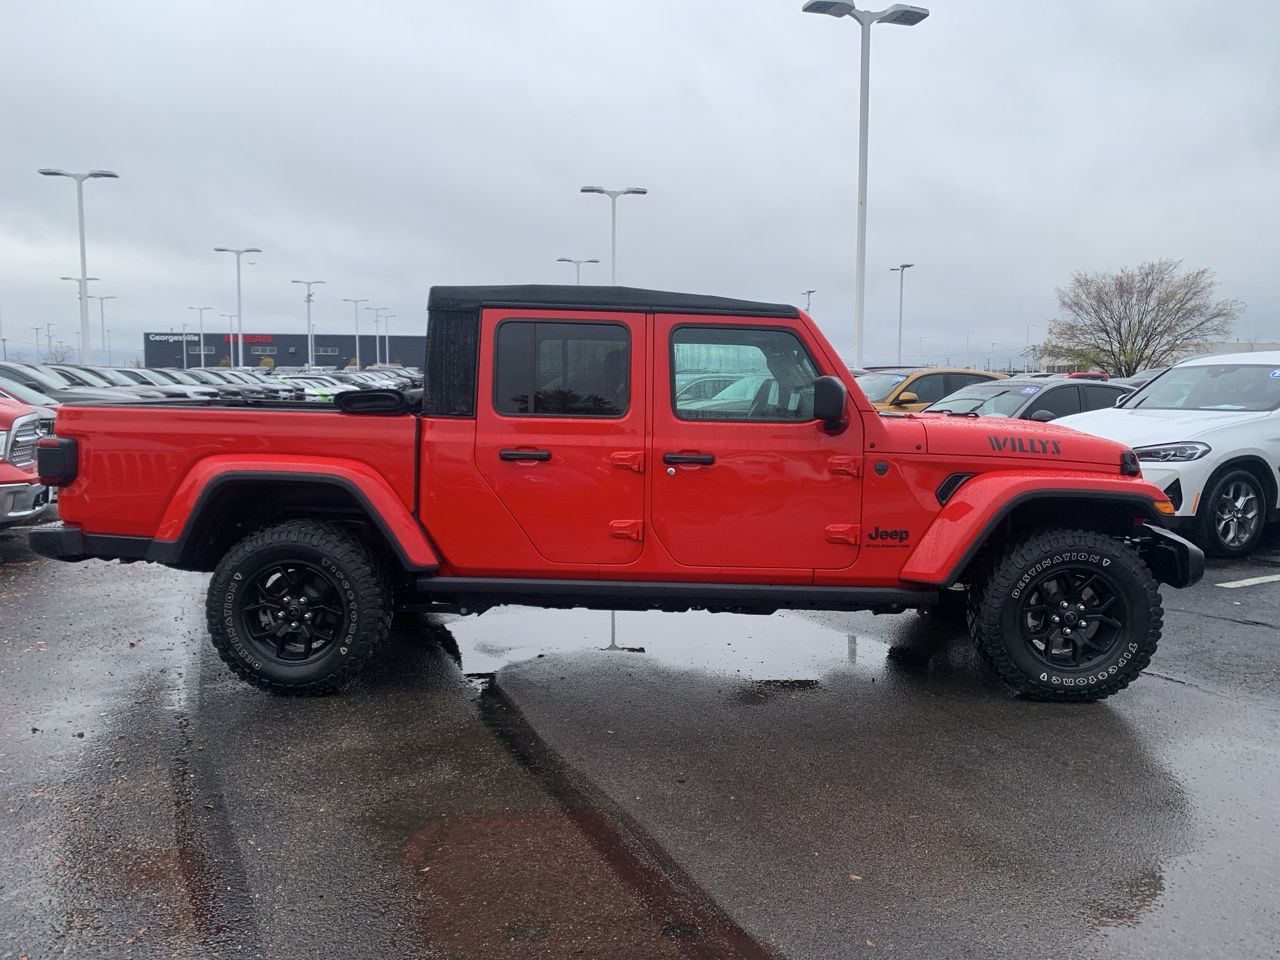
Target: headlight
{"points": [[1172, 452]]}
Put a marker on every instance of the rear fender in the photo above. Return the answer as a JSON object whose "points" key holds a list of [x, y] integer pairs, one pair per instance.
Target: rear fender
{"points": [[385, 509], [981, 504]]}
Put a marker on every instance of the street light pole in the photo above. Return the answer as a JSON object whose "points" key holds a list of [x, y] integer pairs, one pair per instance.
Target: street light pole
{"points": [[387, 333], [808, 298], [239, 306], [107, 339], [37, 330], [80, 178], [311, 340], [899, 15], [201, 310], [968, 355], [901, 270], [102, 313], [184, 346], [1026, 352], [377, 331], [613, 196], [577, 266], [355, 312]]}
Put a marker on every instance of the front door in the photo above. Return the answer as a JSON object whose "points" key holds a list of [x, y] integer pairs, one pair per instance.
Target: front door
{"points": [[560, 429], [747, 477]]}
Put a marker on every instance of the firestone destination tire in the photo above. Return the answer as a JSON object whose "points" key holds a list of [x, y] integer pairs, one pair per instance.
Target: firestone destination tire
{"points": [[298, 608], [1067, 615]]}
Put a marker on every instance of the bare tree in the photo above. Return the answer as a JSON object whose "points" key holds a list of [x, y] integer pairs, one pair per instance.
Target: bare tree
{"points": [[58, 353], [1139, 317]]}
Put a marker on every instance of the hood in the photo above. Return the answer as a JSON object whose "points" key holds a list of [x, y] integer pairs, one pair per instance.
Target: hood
{"points": [[1021, 441], [1145, 428]]}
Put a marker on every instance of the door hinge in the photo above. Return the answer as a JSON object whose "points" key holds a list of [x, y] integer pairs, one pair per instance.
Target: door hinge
{"points": [[846, 466], [625, 529], [843, 533], [628, 460]]}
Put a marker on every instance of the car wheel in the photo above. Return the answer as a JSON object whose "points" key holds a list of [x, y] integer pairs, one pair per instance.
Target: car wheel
{"points": [[1067, 615], [298, 608], [1230, 518]]}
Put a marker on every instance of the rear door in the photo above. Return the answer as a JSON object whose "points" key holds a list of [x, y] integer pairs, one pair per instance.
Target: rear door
{"points": [[747, 478], [560, 429]]}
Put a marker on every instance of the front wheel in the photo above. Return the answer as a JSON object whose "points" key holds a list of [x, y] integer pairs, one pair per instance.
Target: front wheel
{"points": [[1231, 515], [298, 608], [1067, 615]]}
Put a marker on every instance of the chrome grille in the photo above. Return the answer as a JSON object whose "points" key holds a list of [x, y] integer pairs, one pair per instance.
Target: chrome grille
{"points": [[22, 446]]}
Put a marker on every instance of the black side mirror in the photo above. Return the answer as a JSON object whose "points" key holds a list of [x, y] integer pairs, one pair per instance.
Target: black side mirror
{"points": [[829, 400], [1043, 416]]}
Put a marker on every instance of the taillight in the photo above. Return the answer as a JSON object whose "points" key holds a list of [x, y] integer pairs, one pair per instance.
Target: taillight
{"points": [[57, 460]]}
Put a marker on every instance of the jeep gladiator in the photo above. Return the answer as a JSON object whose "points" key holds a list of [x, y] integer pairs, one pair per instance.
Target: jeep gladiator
{"points": [[552, 459]]}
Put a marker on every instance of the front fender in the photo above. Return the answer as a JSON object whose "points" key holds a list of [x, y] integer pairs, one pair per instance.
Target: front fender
{"points": [[975, 510], [385, 508]]}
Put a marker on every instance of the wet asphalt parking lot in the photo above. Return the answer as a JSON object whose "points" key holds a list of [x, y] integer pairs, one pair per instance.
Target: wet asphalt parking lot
{"points": [[561, 784]]}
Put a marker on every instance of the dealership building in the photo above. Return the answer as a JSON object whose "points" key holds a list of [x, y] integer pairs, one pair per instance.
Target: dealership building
{"points": [[285, 349]]}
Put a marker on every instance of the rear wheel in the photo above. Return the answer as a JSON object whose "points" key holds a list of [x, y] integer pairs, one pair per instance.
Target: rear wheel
{"points": [[1069, 615], [1231, 513], [298, 608]]}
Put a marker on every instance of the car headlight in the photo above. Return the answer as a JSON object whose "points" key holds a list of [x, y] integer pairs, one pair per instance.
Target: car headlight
{"points": [[1172, 452]]}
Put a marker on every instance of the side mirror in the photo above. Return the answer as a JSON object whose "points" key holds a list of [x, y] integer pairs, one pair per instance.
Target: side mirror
{"points": [[1043, 416], [904, 398], [829, 400]]}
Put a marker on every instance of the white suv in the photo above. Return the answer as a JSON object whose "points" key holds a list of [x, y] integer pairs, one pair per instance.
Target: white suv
{"points": [[1207, 432]]}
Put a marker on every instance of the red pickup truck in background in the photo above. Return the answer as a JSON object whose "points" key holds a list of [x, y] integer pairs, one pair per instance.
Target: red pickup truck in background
{"points": [[23, 498], [552, 459]]}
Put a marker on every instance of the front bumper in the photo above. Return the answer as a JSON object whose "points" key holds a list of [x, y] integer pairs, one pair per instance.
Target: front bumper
{"points": [[23, 502], [1171, 559]]}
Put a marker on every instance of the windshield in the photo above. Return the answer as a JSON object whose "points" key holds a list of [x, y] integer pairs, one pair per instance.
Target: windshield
{"points": [[24, 393], [1002, 401], [114, 378], [57, 377], [1219, 386], [91, 377], [178, 376], [878, 386]]}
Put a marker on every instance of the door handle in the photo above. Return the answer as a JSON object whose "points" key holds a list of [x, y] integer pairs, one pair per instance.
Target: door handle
{"points": [[524, 455], [674, 458]]}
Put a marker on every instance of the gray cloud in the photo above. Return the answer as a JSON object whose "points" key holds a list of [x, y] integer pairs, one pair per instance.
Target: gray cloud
{"points": [[387, 146]]}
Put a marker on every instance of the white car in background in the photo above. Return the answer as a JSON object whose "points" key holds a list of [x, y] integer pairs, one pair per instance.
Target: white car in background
{"points": [[1207, 432]]}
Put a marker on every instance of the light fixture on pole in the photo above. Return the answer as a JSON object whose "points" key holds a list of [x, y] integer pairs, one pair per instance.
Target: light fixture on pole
{"points": [[311, 340], [808, 298], [102, 313], [613, 196], [80, 178], [201, 310], [577, 266], [239, 306], [355, 312], [899, 15], [901, 270], [231, 336]]}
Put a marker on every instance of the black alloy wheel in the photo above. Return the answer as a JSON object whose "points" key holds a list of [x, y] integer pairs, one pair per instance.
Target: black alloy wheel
{"points": [[293, 611], [1073, 617]]}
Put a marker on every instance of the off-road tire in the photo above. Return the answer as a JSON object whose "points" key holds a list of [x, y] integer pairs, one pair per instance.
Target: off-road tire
{"points": [[1206, 530], [996, 611], [361, 589]]}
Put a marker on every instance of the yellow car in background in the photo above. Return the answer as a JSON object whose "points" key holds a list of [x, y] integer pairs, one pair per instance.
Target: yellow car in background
{"points": [[911, 389]]}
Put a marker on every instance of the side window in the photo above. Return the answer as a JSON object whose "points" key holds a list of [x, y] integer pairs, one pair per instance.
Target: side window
{"points": [[764, 375], [554, 369], [929, 388], [1059, 401], [1099, 398], [958, 381]]}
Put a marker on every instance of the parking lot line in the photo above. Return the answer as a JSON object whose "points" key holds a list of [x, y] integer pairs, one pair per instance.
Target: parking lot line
{"points": [[1251, 582]]}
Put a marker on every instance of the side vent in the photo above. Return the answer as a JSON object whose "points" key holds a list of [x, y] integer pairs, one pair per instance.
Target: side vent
{"points": [[948, 487]]}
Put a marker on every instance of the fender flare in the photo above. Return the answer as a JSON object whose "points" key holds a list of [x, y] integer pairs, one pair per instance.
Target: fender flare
{"points": [[404, 535], [975, 510]]}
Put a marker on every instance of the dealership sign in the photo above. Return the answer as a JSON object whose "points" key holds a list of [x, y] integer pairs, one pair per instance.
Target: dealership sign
{"points": [[193, 337]]}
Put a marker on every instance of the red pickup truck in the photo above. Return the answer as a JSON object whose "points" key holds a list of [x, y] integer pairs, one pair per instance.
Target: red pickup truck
{"points": [[23, 498], [553, 459]]}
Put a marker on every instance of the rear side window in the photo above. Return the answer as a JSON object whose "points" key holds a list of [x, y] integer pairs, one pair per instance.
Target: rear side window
{"points": [[758, 375], [1099, 398], [554, 369], [1060, 401], [958, 381]]}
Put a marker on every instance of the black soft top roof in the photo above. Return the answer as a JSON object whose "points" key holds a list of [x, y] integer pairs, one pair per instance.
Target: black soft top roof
{"points": [[553, 296]]}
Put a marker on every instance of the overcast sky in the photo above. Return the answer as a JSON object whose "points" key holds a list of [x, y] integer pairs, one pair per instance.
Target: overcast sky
{"points": [[387, 146]]}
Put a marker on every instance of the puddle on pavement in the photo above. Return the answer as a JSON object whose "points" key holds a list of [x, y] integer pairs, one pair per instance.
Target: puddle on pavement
{"points": [[781, 648]]}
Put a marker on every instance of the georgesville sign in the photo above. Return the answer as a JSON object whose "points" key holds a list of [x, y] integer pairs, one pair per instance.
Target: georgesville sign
{"points": [[209, 337]]}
